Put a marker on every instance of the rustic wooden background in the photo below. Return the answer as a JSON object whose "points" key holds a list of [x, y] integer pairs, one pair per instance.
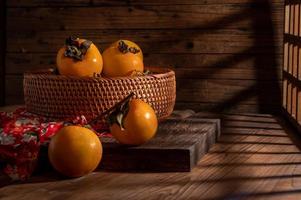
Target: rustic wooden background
{"points": [[227, 54], [2, 50]]}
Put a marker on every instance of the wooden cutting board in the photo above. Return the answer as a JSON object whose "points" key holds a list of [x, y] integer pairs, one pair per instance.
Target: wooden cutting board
{"points": [[179, 144]]}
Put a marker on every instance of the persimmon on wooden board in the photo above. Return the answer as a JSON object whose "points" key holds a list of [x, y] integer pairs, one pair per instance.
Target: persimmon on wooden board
{"points": [[137, 126]]}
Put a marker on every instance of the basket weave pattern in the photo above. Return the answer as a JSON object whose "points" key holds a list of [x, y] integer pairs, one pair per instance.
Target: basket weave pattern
{"points": [[57, 96]]}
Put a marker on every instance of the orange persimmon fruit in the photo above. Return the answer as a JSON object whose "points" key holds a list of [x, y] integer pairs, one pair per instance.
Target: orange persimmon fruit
{"points": [[75, 151], [130, 44], [79, 57], [122, 58], [136, 126]]}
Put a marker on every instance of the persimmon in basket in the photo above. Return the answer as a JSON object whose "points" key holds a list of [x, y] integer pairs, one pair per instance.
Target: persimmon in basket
{"points": [[75, 151], [130, 44], [122, 58], [79, 57]]}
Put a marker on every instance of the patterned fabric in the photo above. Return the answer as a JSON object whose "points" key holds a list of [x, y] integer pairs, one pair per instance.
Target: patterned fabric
{"points": [[22, 134]]}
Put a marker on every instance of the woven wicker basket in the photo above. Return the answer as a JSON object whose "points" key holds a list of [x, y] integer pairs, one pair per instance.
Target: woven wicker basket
{"points": [[57, 96]]}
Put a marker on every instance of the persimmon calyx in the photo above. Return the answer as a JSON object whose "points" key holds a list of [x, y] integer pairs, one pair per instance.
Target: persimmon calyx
{"points": [[124, 48], [120, 112], [75, 49]]}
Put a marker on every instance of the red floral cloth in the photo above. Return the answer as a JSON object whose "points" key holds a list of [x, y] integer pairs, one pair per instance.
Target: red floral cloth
{"points": [[22, 133]]}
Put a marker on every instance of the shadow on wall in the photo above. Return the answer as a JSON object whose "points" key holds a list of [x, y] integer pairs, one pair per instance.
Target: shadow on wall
{"points": [[267, 86]]}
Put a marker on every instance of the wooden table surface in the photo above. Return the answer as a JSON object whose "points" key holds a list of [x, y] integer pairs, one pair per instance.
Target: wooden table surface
{"points": [[257, 157]]}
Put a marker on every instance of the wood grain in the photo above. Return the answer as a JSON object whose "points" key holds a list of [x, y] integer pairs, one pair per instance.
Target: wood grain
{"points": [[222, 90], [220, 66], [237, 107], [152, 41], [177, 146], [55, 3], [2, 50], [144, 17], [247, 163]]}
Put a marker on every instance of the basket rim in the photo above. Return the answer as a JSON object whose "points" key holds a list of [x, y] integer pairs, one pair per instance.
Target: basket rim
{"points": [[160, 72]]}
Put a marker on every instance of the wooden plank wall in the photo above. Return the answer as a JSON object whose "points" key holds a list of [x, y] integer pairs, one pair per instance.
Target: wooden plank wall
{"points": [[226, 53], [2, 50]]}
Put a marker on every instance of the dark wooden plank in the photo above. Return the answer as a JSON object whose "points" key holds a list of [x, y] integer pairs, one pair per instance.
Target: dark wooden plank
{"points": [[195, 66], [211, 90], [2, 50], [236, 107], [178, 146], [54, 3], [145, 17], [289, 2], [13, 100], [227, 74], [154, 41], [14, 86], [19, 63], [14, 90], [250, 124]]}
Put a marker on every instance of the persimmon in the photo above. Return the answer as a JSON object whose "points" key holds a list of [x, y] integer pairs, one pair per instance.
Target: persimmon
{"points": [[79, 57], [130, 44], [122, 59], [134, 124], [75, 151]]}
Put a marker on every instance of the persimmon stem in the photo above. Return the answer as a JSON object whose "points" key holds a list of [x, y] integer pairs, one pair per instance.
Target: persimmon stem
{"points": [[124, 48], [76, 50], [107, 112]]}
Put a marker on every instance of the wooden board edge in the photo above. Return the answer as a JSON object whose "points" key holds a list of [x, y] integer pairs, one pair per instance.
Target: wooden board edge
{"points": [[185, 156], [149, 163]]}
